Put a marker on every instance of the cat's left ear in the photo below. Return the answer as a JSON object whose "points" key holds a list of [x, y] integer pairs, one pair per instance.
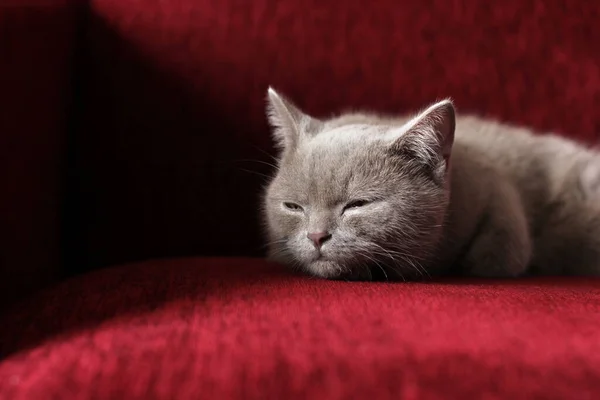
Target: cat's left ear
{"points": [[429, 136], [289, 123]]}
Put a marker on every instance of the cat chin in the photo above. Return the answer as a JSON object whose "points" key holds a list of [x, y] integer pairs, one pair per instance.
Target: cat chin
{"points": [[325, 269], [332, 270]]}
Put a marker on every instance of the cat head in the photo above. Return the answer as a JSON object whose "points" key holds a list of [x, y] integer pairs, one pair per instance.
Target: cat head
{"points": [[358, 196]]}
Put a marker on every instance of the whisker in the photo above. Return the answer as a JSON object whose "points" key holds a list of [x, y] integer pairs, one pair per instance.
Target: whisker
{"points": [[256, 173], [266, 153], [377, 264], [411, 260], [274, 166], [382, 270]]}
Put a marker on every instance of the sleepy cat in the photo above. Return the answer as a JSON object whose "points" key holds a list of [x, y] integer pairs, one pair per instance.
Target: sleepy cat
{"points": [[362, 196]]}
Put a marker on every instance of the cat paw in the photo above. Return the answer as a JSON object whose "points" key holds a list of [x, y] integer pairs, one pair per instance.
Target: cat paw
{"points": [[497, 270], [498, 259]]}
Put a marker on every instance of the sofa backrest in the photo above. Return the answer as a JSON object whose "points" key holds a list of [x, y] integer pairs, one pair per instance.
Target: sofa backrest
{"points": [[173, 98], [36, 50]]}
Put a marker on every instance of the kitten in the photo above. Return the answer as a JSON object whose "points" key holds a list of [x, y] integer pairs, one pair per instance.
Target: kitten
{"points": [[362, 196]]}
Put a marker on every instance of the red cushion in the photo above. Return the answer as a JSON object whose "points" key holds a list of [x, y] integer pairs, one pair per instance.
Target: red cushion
{"points": [[241, 328], [175, 97]]}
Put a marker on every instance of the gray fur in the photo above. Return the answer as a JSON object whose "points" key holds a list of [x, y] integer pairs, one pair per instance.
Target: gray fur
{"points": [[439, 194]]}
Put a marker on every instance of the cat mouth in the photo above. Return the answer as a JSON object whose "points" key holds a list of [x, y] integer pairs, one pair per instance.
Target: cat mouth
{"points": [[319, 256], [353, 269], [328, 268]]}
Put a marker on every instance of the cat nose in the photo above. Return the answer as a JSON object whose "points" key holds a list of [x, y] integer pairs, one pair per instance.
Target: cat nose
{"points": [[318, 238]]}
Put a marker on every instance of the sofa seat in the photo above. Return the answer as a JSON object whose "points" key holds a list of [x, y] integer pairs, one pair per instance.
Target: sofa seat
{"points": [[233, 328]]}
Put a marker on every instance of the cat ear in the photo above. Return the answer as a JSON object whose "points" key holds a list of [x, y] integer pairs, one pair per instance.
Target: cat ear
{"points": [[288, 121], [429, 136]]}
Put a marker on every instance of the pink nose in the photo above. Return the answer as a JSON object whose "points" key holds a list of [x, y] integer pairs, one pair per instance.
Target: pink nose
{"points": [[318, 238]]}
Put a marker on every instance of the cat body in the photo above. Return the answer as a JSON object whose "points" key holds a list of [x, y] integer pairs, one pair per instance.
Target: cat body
{"points": [[361, 196]]}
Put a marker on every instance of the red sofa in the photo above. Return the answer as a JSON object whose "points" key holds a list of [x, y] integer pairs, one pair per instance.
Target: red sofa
{"points": [[132, 151]]}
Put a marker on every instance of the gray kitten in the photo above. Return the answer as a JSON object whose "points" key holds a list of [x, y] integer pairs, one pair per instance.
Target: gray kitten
{"points": [[363, 196]]}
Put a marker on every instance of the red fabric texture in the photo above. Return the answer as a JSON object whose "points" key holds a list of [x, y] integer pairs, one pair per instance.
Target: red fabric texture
{"points": [[241, 328], [174, 98], [36, 43]]}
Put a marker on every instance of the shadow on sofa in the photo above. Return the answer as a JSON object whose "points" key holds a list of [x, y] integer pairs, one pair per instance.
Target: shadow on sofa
{"points": [[157, 168]]}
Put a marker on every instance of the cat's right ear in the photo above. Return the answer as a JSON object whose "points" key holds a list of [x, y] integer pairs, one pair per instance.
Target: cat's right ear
{"points": [[289, 123], [429, 136]]}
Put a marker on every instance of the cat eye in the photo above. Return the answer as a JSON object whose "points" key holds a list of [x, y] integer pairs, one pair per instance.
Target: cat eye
{"points": [[355, 204], [293, 206]]}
